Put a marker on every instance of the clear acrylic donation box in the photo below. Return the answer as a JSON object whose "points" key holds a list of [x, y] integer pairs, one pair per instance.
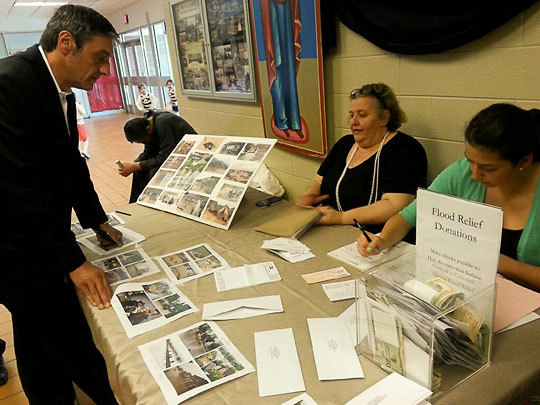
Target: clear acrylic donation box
{"points": [[414, 322]]}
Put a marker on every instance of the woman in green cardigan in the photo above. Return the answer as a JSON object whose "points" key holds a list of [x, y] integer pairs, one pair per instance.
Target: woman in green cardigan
{"points": [[502, 168]]}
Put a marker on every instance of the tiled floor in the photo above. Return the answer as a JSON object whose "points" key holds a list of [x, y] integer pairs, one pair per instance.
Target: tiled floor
{"points": [[106, 144]]}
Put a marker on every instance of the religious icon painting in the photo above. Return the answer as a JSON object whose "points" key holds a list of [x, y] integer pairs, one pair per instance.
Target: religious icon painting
{"points": [[290, 64]]}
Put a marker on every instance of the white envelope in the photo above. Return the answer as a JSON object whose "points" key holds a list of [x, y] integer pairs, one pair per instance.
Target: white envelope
{"points": [[243, 308]]}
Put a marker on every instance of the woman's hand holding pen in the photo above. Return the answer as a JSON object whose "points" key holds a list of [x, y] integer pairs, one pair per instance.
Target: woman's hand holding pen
{"points": [[370, 248]]}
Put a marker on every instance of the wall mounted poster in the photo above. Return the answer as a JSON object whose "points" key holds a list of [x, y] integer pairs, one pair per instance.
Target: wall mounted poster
{"points": [[206, 176], [290, 64]]}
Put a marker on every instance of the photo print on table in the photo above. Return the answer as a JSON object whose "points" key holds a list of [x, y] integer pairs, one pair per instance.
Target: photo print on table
{"points": [[161, 178], [210, 143], [149, 195], [219, 213], [142, 307], [232, 148], [192, 204], [184, 147], [185, 377], [126, 266], [190, 263], [254, 152], [138, 307], [169, 199], [230, 192], [193, 360], [219, 165], [169, 352], [205, 184], [241, 172], [173, 162]]}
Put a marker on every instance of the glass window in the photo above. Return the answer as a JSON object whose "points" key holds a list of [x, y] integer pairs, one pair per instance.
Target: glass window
{"points": [[132, 61], [155, 91], [18, 42], [139, 57], [148, 51], [128, 95], [162, 49]]}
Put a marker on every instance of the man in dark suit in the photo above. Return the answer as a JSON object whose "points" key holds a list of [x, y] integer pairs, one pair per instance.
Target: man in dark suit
{"points": [[42, 177]]}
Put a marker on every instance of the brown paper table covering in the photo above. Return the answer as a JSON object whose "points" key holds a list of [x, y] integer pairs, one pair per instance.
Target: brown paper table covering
{"points": [[516, 354]]}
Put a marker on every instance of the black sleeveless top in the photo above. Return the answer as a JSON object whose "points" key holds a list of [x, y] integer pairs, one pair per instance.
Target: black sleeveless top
{"points": [[509, 242]]}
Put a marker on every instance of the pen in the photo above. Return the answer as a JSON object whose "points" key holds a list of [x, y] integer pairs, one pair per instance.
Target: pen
{"points": [[122, 212], [362, 229]]}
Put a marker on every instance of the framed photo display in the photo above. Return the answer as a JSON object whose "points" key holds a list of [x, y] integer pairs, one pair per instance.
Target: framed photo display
{"points": [[213, 42]]}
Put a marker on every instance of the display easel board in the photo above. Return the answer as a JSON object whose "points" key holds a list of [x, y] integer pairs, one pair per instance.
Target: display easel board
{"points": [[205, 177]]}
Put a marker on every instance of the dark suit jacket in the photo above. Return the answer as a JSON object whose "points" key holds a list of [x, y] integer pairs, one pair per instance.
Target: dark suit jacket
{"points": [[42, 175], [168, 130]]}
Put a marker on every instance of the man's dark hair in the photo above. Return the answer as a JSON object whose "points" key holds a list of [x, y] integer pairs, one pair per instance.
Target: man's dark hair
{"points": [[507, 130], [82, 22], [135, 129]]}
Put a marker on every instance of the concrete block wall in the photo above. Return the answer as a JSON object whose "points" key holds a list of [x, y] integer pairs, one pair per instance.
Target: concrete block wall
{"points": [[439, 92]]}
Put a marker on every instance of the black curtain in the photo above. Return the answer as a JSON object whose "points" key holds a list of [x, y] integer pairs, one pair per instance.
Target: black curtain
{"points": [[417, 28]]}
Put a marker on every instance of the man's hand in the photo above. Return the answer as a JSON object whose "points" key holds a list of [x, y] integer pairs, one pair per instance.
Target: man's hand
{"points": [[128, 168], [93, 284], [109, 231]]}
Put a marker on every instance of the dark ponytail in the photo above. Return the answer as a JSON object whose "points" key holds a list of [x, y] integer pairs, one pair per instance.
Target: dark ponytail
{"points": [[507, 130]]}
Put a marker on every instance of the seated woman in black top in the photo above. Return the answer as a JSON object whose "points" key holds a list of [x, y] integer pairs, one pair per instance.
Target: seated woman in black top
{"points": [[372, 173]]}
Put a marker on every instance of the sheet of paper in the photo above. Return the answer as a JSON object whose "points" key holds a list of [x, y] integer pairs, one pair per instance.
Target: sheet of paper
{"points": [[289, 249], [126, 266], [142, 307], [392, 390], [278, 366], [533, 316], [242, 308], [191, 263], [129, 238], [330, 274], [285, 244], [302, 399], [333, 349], [513, 303], [245, 276], [293, 257], [342, 290], [193, 360], [349, 254]]}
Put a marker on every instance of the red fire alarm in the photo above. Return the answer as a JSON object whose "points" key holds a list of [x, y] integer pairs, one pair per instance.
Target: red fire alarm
{"points": [[125, 19]]}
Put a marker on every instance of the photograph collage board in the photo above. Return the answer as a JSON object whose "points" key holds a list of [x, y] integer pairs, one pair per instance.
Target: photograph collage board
{"points": [[193, 360], [126, 266], [81, 232], [142, 307], [190, 263], [206, 177]]}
